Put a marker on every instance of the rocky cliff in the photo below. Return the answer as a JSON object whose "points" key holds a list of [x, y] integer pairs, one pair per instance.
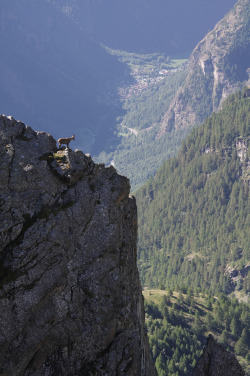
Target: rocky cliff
{"points": [[218, 66], [216, 361], [70, 297]]}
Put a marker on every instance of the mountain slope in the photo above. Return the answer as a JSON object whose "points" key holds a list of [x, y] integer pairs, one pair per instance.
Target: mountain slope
{"points": [[218, 66], [179, 323], [194, 216], [161, 115], [139, 154], [147, 26], [52, 75]]}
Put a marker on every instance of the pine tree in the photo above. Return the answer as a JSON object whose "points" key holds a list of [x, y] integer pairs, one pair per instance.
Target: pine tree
{"points": [[164, 307], [235, 326], [197, 325], [224, 338], [241, 347], [180, 298], [209, 320]]}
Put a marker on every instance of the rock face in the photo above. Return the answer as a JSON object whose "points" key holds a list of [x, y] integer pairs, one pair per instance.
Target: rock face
{"points": [[218, 66], [70, 297], [216, 361]]}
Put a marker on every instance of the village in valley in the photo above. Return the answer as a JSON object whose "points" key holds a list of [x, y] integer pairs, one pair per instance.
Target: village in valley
{"points": [[147, 70], [148, 75]]}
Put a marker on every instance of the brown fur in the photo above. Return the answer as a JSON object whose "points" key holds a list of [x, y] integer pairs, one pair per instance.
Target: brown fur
{"points": [[65, 141]]}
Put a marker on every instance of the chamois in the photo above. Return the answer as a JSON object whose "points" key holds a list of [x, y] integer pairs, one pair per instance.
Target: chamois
{"points": [[65, 141]]}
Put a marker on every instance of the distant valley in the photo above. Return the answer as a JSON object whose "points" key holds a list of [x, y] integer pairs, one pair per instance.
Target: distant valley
{"points": [[163, 113], [56, 76], [161, 92]]}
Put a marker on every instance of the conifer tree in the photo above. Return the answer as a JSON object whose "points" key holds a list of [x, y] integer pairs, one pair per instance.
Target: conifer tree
{"points": [[209, 320], [235, 326], [241, 346], [224, 338]]}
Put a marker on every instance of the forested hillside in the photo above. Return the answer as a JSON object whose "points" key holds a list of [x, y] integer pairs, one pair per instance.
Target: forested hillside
{"points": [[161, 110], [139, 154], [194, 216], [179, 323]]}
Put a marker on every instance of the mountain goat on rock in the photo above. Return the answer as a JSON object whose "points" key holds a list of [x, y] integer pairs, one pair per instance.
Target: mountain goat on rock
{"points": [[65, 141]]}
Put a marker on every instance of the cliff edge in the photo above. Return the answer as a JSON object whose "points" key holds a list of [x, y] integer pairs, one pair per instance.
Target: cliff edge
{"points": [[70, 296]]}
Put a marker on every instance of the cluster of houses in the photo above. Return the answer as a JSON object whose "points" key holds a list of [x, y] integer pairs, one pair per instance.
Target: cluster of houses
{"points": [[144, 80]]}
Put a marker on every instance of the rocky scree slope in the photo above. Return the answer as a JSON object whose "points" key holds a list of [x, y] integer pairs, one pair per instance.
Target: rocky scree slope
{"points": [[70, 297], [218, 66]]}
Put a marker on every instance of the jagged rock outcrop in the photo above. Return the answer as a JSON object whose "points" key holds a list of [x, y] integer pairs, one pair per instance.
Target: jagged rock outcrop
{"points": [[70, 296], [216, 361], [218, 66]]}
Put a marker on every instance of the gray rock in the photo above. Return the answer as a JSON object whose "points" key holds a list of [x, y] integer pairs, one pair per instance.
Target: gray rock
{"points": [[208, 81], [216, 361], [70, 296]]}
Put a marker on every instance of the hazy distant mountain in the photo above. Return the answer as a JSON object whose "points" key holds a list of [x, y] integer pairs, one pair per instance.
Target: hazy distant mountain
{"points": [[54, 77], [219, 65], [161, 117], [147, 25]]}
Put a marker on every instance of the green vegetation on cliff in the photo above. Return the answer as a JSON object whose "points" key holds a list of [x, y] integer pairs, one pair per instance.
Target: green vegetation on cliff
{"points": [[194, 216]]}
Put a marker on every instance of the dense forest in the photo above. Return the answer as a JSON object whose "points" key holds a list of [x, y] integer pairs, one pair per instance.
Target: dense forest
{"points": [[178, 324], [194, 216]]}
